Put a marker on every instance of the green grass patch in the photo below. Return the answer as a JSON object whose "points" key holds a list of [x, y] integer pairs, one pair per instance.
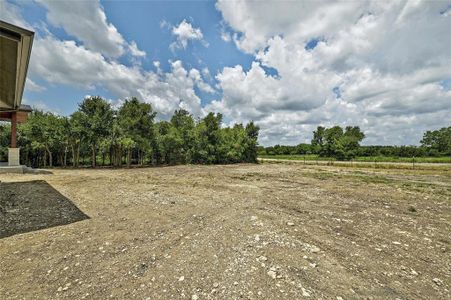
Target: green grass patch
{"points": [[309, 157], [405, 159], [313, 157]]}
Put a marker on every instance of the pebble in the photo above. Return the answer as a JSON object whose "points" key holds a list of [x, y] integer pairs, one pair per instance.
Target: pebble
{"points": [[305, 293], [314, 249], [290, 223], [182, 278], [437, 281], [194, 297], [272, 274]]}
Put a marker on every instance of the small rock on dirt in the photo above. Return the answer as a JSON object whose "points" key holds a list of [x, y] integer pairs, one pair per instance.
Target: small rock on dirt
{"points": [[305, 293], [437, 281], [272, 274]]}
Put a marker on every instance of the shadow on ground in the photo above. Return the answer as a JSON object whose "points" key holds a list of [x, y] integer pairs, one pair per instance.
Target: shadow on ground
{"points": [[34, 205]]}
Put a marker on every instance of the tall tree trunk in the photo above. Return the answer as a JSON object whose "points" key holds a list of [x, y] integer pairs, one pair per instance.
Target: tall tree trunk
{"points": [[93, 159], [129, 157], [50, 157], [141, 157], [77, 157], [118, 156], [65, 157], [109, 156], [113, 156], [74, 160]]}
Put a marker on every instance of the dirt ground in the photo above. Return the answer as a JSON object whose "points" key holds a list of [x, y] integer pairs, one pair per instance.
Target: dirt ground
{"points": [[267, 231]]}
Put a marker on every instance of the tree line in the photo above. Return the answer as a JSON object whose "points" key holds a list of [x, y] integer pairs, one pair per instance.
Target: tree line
{"points": [[344, 144], [97, 134]]}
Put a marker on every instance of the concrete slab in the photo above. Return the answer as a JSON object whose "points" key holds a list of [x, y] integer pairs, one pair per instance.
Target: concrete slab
{"points": [[5, 169], [12, 169], [14, 157]]}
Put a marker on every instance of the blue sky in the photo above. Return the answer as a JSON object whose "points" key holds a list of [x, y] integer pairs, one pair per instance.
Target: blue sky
{"points": [[145, 28], [289, 66]]}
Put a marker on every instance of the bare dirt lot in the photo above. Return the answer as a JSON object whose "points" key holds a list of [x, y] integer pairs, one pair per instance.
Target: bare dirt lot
{"points": [[268, 231]]}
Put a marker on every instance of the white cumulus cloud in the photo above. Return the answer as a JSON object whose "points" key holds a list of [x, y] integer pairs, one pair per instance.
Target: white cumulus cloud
{"points": [[367, 63], [185, 32], [65, 62], [86, 20]]}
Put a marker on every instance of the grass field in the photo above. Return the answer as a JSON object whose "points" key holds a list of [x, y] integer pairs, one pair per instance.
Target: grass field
{"points": [[260, 231], [311, 157]]}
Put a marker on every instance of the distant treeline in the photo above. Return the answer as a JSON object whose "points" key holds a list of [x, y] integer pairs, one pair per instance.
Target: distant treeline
{"points": [[345, 144], [99, 134]]}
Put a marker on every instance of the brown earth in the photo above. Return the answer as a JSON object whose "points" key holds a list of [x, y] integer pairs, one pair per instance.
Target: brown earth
{"points": [[267, 231]]}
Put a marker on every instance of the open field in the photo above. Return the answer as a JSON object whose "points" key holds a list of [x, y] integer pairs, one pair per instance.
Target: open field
{"points": [[362, 164], [371, 159], [267, 231]]}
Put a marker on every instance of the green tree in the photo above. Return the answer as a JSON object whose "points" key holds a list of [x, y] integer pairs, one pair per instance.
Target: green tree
{"points": [[333, 146], [251, 143], [136, 120], [184, 123], [45, 131], [334, 142], [318, 138], [351, 140], [77, 135], [97, 118], [5, 136], [438, 141], [232, 144], [170, 143], [129, 133], [208, 137]]}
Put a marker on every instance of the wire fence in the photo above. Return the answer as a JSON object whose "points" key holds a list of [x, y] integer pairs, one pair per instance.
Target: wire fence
{"points": [[413, 164]]}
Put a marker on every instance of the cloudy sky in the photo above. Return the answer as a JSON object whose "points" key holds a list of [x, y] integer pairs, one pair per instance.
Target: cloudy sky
{"points": [[289, 66]]}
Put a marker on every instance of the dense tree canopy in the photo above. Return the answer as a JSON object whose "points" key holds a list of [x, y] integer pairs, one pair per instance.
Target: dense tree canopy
{"points": [[345, 144], [336, 142], [99, 134], [438, 141]]}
